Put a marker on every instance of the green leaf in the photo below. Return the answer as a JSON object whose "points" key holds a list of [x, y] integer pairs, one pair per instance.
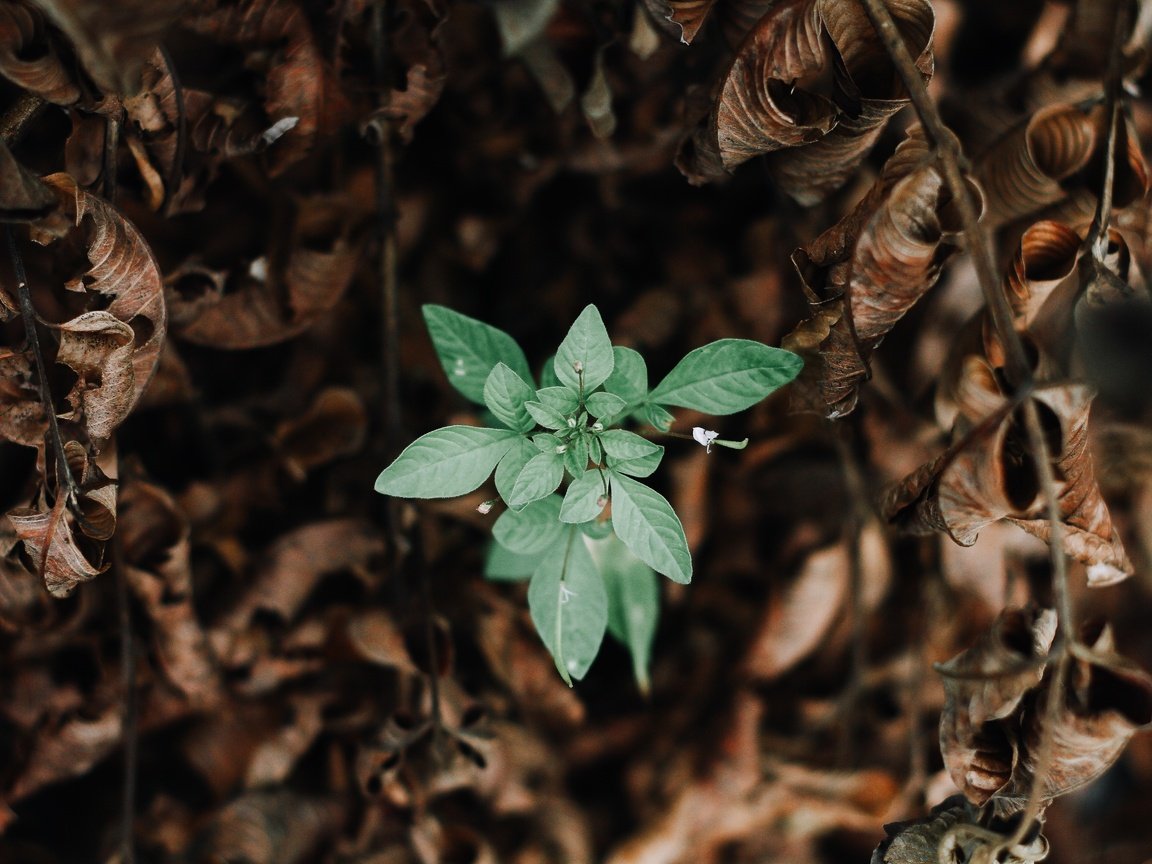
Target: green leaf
{"points": [[445, 463], [547, 417], [504, 565], [468, 349], [505, 393], [629, 378], [650, 528], [605, 405], [569, 606], [596, 450], [546, 442], [539, 478], [576, 456], [558, 399], [584, 499], [633, 602], [533, 529], [587, 348], [512, 464], [726, 376], [597, 529], [628, 453], [654, 415]]}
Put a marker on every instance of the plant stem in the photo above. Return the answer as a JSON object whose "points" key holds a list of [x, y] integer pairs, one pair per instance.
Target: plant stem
{"points": [[1018, 369], [1097, 240], [64, 477], [129, 722]]}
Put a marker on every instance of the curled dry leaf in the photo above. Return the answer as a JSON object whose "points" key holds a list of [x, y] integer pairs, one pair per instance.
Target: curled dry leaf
{"points": [[22, 416], [157, 565], [687, 15], [29, 58], [863, 274], [802, 614], [65, 544], [113, 40], [114, 350], [986, 475], [333, 425], [985, 685], [867, 89], [299, 82], [268, 304], [768, 101], [1107, 698], [409, 106]]}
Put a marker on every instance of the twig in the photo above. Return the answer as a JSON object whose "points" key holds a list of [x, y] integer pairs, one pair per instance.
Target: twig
{"points": [[392, 420], [176, 171], [129, 722], [108, 174], [17, 118], [28, 313], [1017, 367], [857, 517], [1097, 240]]}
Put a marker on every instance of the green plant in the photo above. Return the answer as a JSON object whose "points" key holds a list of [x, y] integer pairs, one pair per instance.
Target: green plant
{"points": [[590, 571]]}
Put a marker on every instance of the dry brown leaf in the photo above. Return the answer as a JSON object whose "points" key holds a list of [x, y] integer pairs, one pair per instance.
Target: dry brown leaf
{"points": [[270, 827], [984, 685], [760, 109], [867, 89], [801, 615], [270, 304], [114, 351], [412, 104], [687, 15], [863, 274], [66, 749], [28, 57], [300, 91], [767, 102], [22, 416], [333, 425], [156, 548], [113, 41], [51, 538]]}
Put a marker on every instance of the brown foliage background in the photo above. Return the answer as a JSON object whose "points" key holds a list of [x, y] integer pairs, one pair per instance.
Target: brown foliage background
{"points": [[216, 357]]}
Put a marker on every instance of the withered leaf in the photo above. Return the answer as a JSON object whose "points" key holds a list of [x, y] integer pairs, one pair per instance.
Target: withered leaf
{"points": [[114, 351], [30, 59], [113, 41], [687, 15], [333, 425], [49, 535], [769, 100], [863, 274], [986, 684]]}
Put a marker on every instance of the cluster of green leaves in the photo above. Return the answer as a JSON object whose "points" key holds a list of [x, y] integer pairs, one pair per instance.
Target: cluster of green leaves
{"points": [[560, 458]]}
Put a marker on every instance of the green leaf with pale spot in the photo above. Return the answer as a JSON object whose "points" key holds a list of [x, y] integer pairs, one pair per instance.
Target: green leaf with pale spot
{"points": [[633, 602], [727, 376], [656, 416], [569, 605], [468, 349], [586, 348], [533, 529], [539, 478], [446, 462], [505, 393], [646, 523], [585, 498], [559, 399]]}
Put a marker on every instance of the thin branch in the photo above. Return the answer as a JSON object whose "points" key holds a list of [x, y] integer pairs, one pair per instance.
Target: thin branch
{"points": [[18, 117], [108, 174], [1097, 240], [176, 171], [129, 723], [1018, 369], [28, 313]]}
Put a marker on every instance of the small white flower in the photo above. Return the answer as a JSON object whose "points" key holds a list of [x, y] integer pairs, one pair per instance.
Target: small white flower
{"points": [[571, 422], [279, 128], [704, 437], [484, 508], [577, 367], [597, 426]]}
